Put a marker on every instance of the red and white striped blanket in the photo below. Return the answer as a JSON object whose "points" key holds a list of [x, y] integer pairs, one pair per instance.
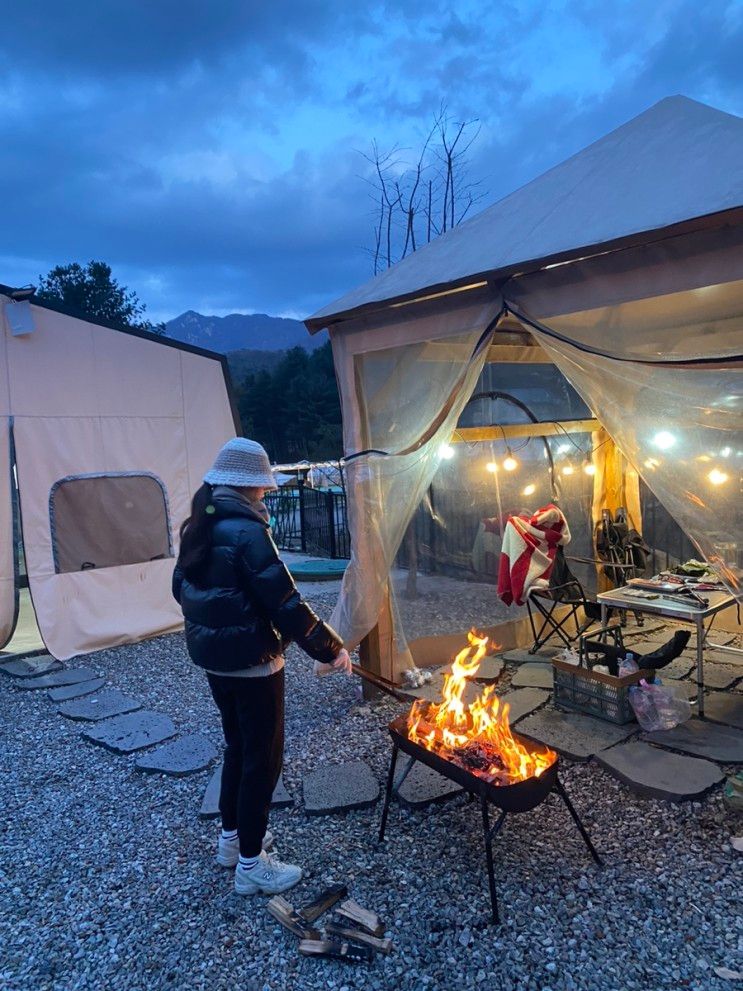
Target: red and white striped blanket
{"points": [[528, 552]]}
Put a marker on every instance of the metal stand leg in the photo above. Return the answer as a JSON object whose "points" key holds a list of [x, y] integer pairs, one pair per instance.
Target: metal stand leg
{"points": [[489, 835], [388, 793], [700, 665], [587, 839]]}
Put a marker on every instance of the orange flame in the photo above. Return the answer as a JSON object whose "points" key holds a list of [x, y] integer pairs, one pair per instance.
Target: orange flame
{"points": [[478, 732]]}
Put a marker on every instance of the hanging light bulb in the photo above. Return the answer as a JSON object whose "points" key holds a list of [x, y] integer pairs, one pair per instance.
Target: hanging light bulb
{"points": [[664, 440], [492, 467], [529, 490], [567, 470], [510, 463], [589, 467], [446, 451]]}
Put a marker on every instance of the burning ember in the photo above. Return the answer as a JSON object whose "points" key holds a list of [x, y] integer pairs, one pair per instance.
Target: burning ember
{"points": [[477, 735]]}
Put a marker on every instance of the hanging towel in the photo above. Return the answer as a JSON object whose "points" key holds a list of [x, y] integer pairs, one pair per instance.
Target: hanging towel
{"points": [[528, 552]]}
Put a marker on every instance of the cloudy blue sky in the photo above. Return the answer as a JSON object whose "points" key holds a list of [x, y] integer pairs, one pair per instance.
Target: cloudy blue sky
{"points": [[210, 151]]}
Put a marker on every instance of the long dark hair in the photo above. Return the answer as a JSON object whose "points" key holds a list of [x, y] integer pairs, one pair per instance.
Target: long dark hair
{"points": [[196, 534]]}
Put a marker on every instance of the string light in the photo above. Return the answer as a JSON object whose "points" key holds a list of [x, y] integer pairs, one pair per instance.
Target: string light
{"points": [[529, 490], [446, 451], [717, 477], [664, 440], [510, 463], [567, 470], [492, 467], [589, 468]]}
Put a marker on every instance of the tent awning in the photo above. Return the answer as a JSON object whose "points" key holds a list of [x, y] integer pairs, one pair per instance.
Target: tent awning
{"points": [[676, 167]]}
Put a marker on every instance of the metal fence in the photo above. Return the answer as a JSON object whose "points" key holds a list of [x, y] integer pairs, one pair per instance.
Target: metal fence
{"points": [[313, 521]]}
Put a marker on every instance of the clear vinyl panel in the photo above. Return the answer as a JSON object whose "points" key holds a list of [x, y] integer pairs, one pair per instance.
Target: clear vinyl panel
{"points": [[681, 426], [409, 401]]}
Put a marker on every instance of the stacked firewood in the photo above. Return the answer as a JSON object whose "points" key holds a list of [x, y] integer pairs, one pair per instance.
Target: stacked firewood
{"points": [[357, 935]]}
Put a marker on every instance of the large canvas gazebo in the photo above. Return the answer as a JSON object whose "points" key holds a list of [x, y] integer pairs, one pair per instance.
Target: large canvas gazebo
{"points": [[622, 268]]}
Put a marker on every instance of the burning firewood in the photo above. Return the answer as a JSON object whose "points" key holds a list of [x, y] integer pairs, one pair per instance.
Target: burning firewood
{"points": [[359, 936], [314, 909], [475, 735], [340, 949], [361, 916], [284, 913]]}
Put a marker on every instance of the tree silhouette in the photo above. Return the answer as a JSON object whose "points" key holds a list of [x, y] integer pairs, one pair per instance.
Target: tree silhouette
{"points": [[93, 291]]}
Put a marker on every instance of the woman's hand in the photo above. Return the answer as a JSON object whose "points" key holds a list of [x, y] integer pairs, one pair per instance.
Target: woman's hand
{"points": [[341, 663]]}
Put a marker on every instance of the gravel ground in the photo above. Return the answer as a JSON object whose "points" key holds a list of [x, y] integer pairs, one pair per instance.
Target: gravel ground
{"points": [[107, 878]]}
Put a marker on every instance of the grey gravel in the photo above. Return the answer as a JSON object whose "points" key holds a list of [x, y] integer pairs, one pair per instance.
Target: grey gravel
{"points": [[136, 902]]}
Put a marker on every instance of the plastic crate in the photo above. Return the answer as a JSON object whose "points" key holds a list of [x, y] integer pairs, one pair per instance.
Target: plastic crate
{"points": [[594, 693]]}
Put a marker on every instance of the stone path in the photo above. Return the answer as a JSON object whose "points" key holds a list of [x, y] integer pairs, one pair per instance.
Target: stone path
{"points": [[656, 773], [338, 787], [28, 667], [573, 734], [93, 708], [491, 668], [185, 755], [423, 786], [76, 691], [133, 731], [57, 679], [523, 701], [723, 708], [520, 655], [702, 738], [533, 675], [721, 675]]}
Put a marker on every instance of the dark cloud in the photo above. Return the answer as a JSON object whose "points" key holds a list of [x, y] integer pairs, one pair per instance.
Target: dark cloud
{"points": [[209, 151]]}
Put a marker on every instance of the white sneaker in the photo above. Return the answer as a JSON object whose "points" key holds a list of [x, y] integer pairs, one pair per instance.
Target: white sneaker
{"points": [[228, 851], [269, 876]]}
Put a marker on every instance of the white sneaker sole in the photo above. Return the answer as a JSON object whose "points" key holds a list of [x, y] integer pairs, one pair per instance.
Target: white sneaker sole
{"points": [[246, 887]]}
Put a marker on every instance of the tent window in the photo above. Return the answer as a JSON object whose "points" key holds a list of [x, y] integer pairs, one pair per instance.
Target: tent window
{"points": [[105, 521]]}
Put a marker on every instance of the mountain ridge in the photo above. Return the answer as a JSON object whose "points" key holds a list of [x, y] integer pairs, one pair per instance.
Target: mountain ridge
{"points": [[242, 331]]}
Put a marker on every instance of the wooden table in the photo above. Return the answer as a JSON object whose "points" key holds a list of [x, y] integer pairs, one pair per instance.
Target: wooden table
{"points": [[618, 598]]}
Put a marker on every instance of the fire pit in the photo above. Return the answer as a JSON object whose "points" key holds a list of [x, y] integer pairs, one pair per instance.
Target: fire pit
{"points": [[473, 745]]}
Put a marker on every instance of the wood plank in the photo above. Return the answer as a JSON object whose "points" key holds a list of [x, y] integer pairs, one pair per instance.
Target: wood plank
{"points": [[466, 435]]}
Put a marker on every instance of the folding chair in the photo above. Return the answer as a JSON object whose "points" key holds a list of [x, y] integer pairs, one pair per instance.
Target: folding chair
{"points": [[543, 603]]}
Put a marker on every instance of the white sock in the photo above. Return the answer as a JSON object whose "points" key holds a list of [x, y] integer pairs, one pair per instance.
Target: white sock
{"points": [[229, 834], [248, 862]]}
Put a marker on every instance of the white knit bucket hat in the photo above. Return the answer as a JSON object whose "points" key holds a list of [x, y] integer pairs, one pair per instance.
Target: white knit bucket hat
{"points": [[243, 464]]}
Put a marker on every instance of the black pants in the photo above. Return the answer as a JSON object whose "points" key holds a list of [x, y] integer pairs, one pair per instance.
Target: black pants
{"points": [[252, 711]]}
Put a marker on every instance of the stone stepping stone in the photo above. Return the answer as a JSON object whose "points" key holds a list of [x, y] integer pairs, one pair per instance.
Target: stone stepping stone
{"points": [[431, 691], [523, 701], [655, 773], [339, 787], [521, 655], [281, 797], [723, 708], [183, 756], [721, 675], [576, 736], [424, 786], [29, 667], [76, 691], [68, 676], [533, 675], [210, 802], [133, 731], [702, 738], [491, 668], [679, 668], [109, 702]]}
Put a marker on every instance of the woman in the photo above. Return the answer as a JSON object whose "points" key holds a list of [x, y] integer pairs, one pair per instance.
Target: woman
{"points": [[242, 609]]}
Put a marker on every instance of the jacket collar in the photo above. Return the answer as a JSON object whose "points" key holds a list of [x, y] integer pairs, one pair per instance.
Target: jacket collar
{"points": [[228, 503]]}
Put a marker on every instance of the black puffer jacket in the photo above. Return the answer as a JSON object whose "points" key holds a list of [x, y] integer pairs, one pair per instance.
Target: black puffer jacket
{"points": [[245, 608]]}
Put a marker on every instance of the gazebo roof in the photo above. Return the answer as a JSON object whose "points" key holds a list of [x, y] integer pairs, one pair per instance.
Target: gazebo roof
{"points": [[670, 169]]}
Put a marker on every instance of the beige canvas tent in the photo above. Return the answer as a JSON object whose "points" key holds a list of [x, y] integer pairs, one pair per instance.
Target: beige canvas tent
{"points": [[623, 266], [111, 431]]}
